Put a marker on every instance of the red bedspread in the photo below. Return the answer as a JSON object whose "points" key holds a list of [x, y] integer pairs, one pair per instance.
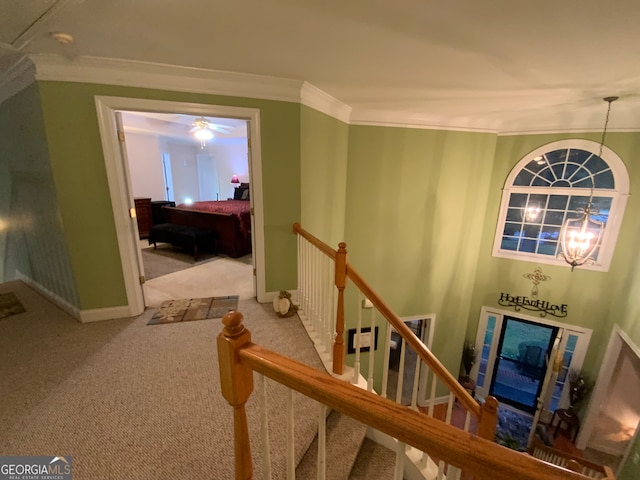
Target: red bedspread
{"points": [[239, 208]]}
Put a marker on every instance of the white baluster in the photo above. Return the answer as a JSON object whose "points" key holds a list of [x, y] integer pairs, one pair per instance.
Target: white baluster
{"points": [[291, 451], [372, 352], [416, 381], [356, 365], [264, 422], [322, 443], [385, 367], [398, 473], [400, 386]]}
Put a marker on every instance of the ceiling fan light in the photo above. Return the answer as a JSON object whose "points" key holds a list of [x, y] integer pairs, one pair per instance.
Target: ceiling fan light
{"points": [[203, 134]]}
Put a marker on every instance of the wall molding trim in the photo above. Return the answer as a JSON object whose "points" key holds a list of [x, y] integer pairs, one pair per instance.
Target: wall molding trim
{"points": [[16, 78], [49, 295], [111, 71], [131, 73], [313, 97], [109, 313]]}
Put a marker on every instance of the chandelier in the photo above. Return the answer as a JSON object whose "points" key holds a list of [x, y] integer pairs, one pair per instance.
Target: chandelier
{"points": [[580, 236]]}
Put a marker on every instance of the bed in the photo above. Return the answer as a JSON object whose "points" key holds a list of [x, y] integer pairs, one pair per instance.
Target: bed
{"points": [[230, 220]]}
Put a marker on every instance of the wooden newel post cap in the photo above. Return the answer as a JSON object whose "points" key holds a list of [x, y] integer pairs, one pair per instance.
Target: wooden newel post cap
{"points": [[342, 247], [233, 326]]}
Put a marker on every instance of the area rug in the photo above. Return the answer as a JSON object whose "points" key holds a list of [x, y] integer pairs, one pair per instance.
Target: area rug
{"points": [[189, 309], [513, 428], [9, 305]]}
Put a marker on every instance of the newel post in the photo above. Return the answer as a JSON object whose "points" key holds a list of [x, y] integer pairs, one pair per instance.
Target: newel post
{"points": [[488, 419], [341, 282], [236, 382]]}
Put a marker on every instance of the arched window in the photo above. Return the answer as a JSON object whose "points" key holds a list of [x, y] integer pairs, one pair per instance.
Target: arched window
{"points": [[548, 186]]}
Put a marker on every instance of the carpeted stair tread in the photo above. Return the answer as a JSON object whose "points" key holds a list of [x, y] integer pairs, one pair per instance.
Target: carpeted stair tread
{"points": [[344, 438], [373, 461]]}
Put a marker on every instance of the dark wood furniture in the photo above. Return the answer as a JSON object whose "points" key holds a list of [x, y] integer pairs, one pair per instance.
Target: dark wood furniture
{"points": [[193, 239], [143, 215], [158, 214], [231, 240], [567, 422]]}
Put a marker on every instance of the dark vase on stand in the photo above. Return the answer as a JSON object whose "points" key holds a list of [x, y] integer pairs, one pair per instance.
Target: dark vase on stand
{"points": [[570, 411]]}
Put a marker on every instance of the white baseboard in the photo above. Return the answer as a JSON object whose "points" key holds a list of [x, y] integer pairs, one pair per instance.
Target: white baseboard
{"points": [[49, 295], [83, 316], [109, 313]]}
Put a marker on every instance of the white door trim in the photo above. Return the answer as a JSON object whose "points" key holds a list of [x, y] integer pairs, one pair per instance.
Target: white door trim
{"points": [[614, 348], [106, 108], [578, 354]]}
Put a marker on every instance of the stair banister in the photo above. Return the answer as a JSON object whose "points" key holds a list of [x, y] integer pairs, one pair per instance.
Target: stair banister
{"points": [[487, 414], [485, 459], [236, 382], [423, 352]]}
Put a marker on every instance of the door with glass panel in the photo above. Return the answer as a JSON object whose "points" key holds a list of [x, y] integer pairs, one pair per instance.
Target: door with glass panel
{"points": [[521, 362], [515, 353]]}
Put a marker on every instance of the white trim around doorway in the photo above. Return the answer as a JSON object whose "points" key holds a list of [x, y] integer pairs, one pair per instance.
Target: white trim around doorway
{"points": [[125, 228], [614, 348]]}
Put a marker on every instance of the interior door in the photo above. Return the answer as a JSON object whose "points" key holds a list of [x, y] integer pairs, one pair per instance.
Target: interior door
{"points": [[520, 364]]}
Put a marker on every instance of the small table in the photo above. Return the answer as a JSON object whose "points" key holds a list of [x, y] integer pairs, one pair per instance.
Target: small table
{"points": [[571, 423]]}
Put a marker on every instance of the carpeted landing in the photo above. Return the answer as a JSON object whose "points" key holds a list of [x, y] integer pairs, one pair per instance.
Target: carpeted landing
{"points": [[129, 401]]}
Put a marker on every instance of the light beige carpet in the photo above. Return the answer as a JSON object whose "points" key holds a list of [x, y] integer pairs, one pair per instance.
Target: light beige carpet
{"points": [[131, 402], [190, 309]]}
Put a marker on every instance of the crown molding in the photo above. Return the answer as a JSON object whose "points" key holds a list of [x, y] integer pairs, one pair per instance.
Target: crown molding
{"points": [[411, 120], [131, 73], [313, 97], [16, 78]]}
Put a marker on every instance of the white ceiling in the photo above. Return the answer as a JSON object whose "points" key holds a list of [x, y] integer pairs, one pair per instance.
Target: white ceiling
{"points": [[498, 63]]}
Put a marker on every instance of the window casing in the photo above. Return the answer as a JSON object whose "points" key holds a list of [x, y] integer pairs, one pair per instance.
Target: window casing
{"points": [[548, 186]]}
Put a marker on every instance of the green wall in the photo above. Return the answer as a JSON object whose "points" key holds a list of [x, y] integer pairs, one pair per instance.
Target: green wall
{"points": [[415, 210], [591, 296], [80, 177], [32, 238], [323, 169]]}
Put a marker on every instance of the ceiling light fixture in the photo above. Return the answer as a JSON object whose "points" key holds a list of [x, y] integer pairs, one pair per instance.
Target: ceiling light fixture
{"points": [[580, 237], [201, 131]]}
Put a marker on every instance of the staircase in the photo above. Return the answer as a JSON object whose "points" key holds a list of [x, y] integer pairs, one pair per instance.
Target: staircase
{"points": [[345, 445], [430, 448]]}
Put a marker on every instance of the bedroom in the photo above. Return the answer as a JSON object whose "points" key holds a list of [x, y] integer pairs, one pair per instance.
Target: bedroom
{"points": [[167, 163]]}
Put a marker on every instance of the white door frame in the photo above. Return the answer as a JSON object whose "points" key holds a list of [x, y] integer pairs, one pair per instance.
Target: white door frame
{"points": [[578, 354], [121, 203], [616, 342]]}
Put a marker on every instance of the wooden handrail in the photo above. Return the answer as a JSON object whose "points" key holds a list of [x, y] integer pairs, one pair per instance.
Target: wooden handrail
{"points": [[319, 244], [421, 349], [485, 459], [487, 414]]}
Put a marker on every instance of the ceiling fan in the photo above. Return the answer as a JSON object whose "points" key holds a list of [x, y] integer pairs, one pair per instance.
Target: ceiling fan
{"points": [[203, 130]]}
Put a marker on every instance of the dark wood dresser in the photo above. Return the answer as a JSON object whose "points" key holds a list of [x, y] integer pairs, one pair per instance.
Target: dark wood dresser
{"points": [[143, 215]]}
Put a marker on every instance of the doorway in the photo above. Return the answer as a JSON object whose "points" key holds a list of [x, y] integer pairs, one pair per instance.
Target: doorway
{"points": [[520, 363], [167, 166], [514, 364], [120, 187], [612, 420]]}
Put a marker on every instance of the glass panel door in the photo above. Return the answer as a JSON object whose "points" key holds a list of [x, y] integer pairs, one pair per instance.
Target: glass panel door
{"points": [[520, 363]]}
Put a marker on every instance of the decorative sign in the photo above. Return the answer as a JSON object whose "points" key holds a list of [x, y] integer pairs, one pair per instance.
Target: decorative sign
{"points": [[536, 277], [545, 308]]}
